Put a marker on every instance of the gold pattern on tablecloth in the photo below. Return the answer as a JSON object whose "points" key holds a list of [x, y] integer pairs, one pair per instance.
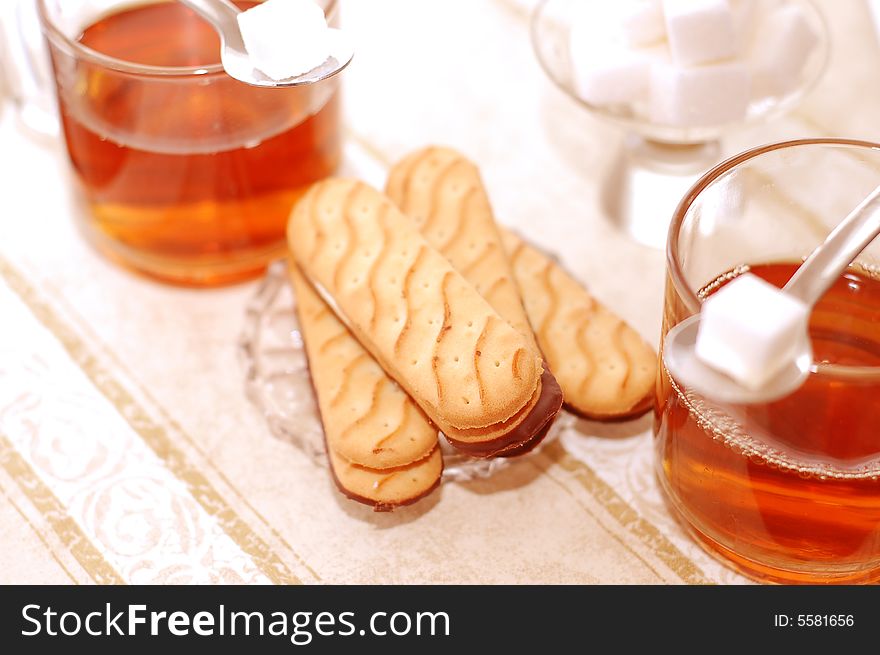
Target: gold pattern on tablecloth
{"points": [[55, 514], [101, 509], [52, 552], [626, 515], [174, 429]]}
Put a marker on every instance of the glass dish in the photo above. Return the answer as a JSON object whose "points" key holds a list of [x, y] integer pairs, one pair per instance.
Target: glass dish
{"points": [[277, 382], [657, 163]]}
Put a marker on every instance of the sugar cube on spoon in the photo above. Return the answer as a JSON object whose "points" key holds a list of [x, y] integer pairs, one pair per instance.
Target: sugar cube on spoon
{"points": [[285, 38], [750, 330]]}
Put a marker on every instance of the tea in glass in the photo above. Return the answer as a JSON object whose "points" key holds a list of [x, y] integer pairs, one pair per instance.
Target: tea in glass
{"points": [[188, 175], [789, 490]]}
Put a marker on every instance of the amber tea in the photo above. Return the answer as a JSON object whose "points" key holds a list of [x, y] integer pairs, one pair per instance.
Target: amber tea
{"points": [[788, 490]]}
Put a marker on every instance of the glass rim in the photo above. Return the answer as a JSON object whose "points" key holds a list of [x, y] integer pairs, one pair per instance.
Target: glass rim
{"points": [[688, 296], [54, 33]]}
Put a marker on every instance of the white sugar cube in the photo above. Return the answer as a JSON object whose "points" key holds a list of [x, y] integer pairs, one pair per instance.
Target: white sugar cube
{"points": [[701, 96], [615, 75], [748, 15], [285, 38], [745, 20], [605, 70], [592, 23], [783, 45], [700, 31], [750, 330], [641, 22]]}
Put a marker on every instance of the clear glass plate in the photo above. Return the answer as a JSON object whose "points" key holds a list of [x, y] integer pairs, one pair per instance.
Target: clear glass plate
{"points": [[277, 382]]}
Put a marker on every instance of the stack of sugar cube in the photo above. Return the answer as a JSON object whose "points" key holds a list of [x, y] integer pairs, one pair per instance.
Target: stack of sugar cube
{"points": [[689, 63]]}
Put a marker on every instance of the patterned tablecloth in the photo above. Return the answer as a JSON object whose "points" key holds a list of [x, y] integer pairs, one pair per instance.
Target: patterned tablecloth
{"points": [[129, 452]]}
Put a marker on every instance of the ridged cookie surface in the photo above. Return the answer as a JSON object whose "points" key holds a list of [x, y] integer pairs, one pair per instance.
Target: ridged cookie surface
{"points": [[443, 193], [424, 323], [388, 488], [368, 419], [605, 369]]}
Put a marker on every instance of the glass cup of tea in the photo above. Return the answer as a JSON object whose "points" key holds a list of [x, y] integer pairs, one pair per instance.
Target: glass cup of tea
{"points": [[785, 491], [187, 174]]}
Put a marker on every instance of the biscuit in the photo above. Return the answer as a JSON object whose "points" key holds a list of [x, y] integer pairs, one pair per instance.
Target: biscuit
{"points": [[368, 419], [475, 376], [443, 193], [388, 488], [605, 369]]}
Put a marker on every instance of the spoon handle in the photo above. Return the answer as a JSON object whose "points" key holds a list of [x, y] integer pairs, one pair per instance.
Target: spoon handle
{"points": [[831, 258], [216, 12]]}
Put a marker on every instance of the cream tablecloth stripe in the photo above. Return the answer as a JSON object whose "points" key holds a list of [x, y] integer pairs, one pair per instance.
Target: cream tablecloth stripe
{"points": [[39, 556], [79, 452], [155, 428]]}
